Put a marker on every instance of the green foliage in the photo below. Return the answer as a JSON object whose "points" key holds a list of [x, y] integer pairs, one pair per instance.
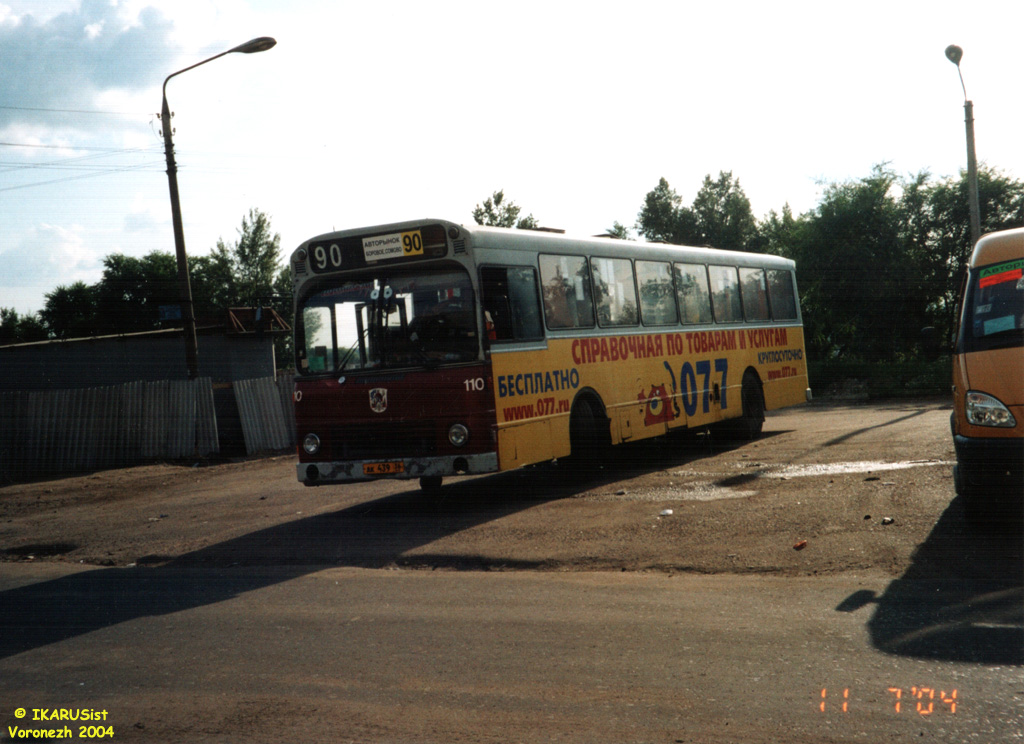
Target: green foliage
{"points": [[661, 216], [839, 377], [497, 212], [128, 297], [882, 257], [70, 311], [720, 215], [132, 290], [244, 273], [878, 259], [20, 329], [619, 231]]}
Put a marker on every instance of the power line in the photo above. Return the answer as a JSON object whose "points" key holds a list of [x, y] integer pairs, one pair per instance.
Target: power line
{"points": [[75, 111], [66, 147], [84, 175], [63, 163]]}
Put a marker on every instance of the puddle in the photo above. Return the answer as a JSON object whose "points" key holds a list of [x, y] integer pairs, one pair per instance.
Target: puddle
{"points": [[844, 468], [696, 491], [730, 486]]}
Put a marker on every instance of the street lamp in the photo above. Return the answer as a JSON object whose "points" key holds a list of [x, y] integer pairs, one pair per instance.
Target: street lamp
{"points": [[954, 54], [260, 44]]}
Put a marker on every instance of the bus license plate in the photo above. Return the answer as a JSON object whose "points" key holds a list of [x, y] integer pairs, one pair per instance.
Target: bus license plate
{"points": [[383, 468]]}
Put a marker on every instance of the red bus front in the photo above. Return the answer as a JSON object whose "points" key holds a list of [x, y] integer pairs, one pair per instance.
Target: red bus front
{"points": [[393, 381], [412, 424]]}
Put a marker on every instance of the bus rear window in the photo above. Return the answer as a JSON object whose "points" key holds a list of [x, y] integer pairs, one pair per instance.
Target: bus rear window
{"points": [[780, 291]]}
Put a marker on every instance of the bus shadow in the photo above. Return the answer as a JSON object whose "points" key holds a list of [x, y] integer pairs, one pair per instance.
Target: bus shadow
{"points": [[377, 533], [961, 599]]}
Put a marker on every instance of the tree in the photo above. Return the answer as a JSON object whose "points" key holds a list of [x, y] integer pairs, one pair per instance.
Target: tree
{"points": [[722, 214], [663, 218], [244, 273], [497, 212], [20, 329], [70, 311], [619, 231], [860, 270], [946, 208], [131, 291], [776, 233]]}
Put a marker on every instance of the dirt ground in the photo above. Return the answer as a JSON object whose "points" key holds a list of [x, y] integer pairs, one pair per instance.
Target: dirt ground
{"points": [[829, 487]]}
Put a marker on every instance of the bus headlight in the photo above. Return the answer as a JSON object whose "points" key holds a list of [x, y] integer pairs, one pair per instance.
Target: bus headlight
{"points": [[984, 410], [458, 435], [311, 444]]}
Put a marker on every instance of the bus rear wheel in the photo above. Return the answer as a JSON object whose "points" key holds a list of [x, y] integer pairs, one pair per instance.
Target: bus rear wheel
{"points": [[750, 425]]}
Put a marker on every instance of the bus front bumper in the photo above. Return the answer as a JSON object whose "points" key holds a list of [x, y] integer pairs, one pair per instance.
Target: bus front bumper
{"points": [[354, 471], [991, 463]]}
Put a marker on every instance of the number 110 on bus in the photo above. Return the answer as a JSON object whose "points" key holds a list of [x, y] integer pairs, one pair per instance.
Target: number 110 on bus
{"points": [[924, 701]]}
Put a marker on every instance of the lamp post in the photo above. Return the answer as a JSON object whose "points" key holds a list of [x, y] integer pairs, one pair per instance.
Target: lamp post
{"points": [[260, 44], [954, 54]]}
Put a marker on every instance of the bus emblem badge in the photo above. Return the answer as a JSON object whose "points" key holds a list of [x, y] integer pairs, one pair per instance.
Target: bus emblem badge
{"points": [[379, 400]]}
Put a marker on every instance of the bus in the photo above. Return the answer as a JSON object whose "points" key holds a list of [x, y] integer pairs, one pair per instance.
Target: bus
{"points": [[988, 379], [428, 349]]}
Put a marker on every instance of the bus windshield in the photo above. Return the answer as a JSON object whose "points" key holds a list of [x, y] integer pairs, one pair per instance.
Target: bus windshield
{"points": [[996, 306], [409, 318]]}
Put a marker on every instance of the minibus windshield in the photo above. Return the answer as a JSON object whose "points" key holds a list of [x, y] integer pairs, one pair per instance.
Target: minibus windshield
{"points": [[995, 306]]}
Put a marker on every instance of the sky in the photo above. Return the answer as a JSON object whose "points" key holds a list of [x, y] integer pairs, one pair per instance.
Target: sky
{"points": [[373, 112]]}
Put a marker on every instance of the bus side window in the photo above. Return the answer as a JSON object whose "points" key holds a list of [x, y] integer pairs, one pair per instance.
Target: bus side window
{"points": [[725, 294], [692, 290], [510, 303], [657, 300], [754, 291], [780, 291], [568, 302], [614, 291]]}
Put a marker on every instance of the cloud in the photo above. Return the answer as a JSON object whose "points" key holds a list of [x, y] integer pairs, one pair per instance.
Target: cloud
{"points": [[68, 60], [47, 256]]}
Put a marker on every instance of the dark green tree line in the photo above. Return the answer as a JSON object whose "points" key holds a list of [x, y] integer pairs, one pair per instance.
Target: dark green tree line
{"points": [[129, 295], [881, 257]]}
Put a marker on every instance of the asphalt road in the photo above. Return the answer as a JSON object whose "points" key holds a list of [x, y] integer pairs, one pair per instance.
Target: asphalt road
{"points": [[550, 612]]}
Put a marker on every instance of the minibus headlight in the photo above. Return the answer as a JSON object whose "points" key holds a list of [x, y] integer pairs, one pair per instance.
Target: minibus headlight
{"points": [[458, 435], [984, 410], [311, 444]]}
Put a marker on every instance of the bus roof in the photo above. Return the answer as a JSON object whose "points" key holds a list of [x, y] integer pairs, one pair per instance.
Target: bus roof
{"points": [[549, 241], [1004, 245]]}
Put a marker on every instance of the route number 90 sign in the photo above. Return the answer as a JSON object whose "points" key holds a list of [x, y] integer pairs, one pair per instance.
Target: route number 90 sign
{"points": [[343, 254]]}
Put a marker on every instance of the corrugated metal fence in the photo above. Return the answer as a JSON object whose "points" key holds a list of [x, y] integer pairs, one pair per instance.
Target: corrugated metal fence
{"points": [[59, 431], [265, 407]]}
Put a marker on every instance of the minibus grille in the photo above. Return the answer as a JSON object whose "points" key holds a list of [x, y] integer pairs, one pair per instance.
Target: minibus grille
{"points": [[384, 440]]}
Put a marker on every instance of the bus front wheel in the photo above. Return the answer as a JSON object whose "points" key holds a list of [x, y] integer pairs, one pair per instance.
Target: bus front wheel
{"points": [[431, 484]]}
